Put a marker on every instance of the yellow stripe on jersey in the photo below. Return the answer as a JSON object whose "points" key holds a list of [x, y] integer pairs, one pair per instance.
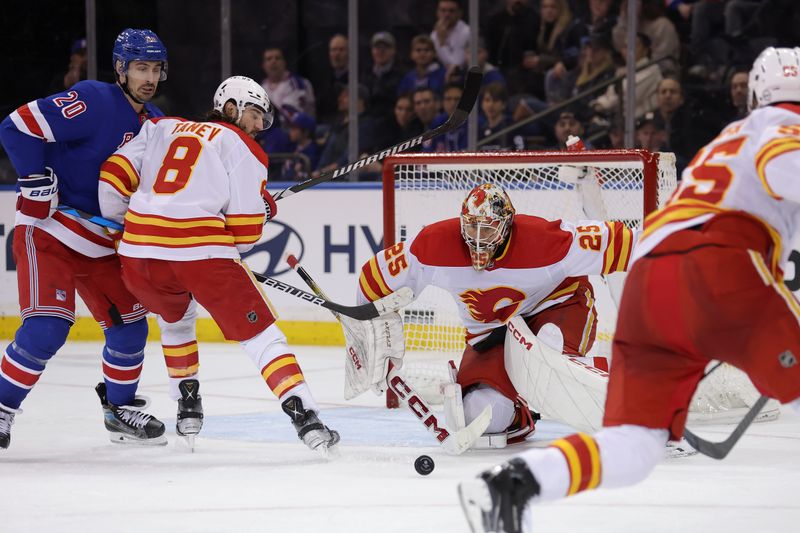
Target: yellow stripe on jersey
{"points": [[174, 223], [225, 240], [115, 182], [677, 212], [770, 151], [240, 220], [563, 292], [587, 328], [608, 259], [377, 275], [366, 289], [127, 168]]}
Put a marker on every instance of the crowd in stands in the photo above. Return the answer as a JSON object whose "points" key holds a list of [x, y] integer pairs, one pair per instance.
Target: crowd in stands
{"points": [[692, 60]]}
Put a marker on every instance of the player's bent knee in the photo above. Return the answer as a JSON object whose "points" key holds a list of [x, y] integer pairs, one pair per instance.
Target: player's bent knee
{"points": [[40, 337], [476, 400], [127, 338], [629, 453], [266, 346]]}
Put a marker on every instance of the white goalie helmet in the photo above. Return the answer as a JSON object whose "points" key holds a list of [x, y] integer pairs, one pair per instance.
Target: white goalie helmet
{"points": [[486, 219], [243, 91], [775, 77]]}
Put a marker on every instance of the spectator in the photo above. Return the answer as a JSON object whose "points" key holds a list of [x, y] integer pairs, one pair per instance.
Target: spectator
{"points": [[426, 108], [456, 140], [334, 153], [450, 34], [301, 132], [566, 125], [426, 72], [403, 125], [646, 81], [509, 33], [739, 95], [77, 64], [555, 19], [336, 78], [601, 20], [383, 78], [596, 65], [276, 140], [283, 87], [656, 26], [686, 130], [494, 115], [490, 72], [649, 134]]}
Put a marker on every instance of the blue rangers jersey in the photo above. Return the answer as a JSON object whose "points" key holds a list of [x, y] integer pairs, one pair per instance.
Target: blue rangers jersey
{"points": [[73, 133]]}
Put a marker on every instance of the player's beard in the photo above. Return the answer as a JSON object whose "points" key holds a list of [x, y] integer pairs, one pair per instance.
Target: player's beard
{"points": [[144, 95]]}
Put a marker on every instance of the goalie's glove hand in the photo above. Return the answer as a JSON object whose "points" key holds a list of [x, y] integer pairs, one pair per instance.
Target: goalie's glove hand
{"points": [[38, 194], [270, 207]]}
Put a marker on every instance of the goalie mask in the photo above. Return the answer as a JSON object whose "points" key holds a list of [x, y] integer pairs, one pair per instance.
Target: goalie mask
{"points": [[243, 92], [486, 218], [774, 78]]}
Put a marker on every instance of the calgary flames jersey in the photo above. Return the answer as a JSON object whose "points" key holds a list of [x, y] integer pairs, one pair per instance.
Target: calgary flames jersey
{"points": [[187, 191], [752, 169], [525, 279]]}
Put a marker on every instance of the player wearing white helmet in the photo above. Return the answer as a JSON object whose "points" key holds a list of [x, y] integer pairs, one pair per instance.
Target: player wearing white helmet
{"points": [[498, 265], [703, 264], [192, 196]]}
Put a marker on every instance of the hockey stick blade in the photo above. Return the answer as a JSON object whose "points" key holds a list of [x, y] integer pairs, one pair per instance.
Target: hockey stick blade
{"points": [[368, 311], [720, 450], [472, 87], [453, 443], [100, 221]]}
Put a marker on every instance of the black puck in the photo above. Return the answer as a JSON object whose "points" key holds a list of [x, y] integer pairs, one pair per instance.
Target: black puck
{"points": [[424, 465]]}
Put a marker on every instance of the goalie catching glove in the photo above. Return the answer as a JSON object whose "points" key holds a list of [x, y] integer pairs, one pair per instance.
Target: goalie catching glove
{"points": [[371, 345], [38, 194]]}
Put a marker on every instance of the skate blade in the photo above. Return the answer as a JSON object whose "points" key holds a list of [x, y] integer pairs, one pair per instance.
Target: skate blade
{"points": [[127, 440], [680, 448], [188, 440], [476, 503]]}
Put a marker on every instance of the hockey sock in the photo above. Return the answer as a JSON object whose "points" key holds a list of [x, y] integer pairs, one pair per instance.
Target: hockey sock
{"points": [[283, 374], [123, 356], [179, 344], [35, 342]]}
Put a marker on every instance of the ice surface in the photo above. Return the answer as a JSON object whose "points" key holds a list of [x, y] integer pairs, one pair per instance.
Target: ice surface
{"points": [[249, 471]]}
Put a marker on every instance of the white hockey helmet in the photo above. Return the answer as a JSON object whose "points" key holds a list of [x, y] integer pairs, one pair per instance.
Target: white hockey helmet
{"points": [[775, 77], [486, 218], [243, 91]]}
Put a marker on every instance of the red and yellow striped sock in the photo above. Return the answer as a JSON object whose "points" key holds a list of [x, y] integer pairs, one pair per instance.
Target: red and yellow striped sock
{"points": [[583, 460], [182, 359], [282, 374]]}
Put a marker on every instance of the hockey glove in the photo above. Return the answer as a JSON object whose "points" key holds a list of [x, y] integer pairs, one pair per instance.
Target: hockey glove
{"points": [[270, 206], [38, 194]]}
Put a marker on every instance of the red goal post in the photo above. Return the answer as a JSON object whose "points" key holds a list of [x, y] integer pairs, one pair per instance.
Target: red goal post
{"points": [[422, 188]]}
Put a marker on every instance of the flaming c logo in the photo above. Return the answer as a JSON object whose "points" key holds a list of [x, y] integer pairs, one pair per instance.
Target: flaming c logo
{"points": [[497, 303]]}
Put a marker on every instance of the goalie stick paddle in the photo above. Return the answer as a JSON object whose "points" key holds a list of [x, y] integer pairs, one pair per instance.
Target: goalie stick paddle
{"points": [[453, 443], [471, 89]]}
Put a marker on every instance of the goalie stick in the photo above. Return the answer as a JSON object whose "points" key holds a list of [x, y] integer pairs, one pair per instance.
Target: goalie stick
{"points": [[472, 87], [453, 442]]}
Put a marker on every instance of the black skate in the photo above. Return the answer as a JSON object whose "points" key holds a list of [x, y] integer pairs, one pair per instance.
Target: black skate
{"points": [[126, 424], [311, 431], [6, 421], [190, 411], [495, 500]]}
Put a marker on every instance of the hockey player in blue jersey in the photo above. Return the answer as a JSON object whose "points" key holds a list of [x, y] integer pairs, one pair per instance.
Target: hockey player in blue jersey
{"points": [[57, 145]]}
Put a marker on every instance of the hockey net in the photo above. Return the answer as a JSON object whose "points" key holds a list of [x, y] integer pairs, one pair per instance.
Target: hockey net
{"points": [[420, 189]]}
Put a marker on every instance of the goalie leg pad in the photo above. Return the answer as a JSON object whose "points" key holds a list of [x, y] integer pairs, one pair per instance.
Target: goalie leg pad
{"points": [[503, 410]]}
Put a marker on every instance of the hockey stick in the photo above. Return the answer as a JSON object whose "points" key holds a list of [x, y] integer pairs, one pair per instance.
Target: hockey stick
{"points": [[471, 89], [454, 443], [100, 221], [720, 450], [367, 311]]}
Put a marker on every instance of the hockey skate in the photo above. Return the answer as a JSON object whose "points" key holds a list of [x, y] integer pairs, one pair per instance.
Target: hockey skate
{"points": [[126, 424], [310, 430], [190, 411], [6, 421], [495, 501]]}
